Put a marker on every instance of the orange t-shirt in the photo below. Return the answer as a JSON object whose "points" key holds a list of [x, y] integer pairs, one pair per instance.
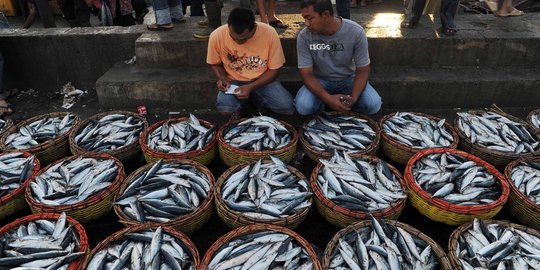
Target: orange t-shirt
{"points": [[247, 61]]}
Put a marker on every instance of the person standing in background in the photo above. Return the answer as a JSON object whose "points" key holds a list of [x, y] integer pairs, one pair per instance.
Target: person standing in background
{"points": [[167, 12]]}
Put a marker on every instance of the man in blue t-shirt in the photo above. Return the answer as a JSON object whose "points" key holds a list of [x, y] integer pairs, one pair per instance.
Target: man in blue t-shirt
{"points": [[333, 59]]}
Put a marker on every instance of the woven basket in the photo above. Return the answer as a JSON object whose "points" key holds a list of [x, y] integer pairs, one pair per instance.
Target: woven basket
{"points": [[124, 154], [203, 156], [442, 211], [187, 223], [49, 151], [371, 150], [14, 201], [444, 263], [529, 120], [142, 227], [495, 158], [454, 237], [521, 206], [83, 239], [235, 219], [401, 153], [90, 209], [343, 217], [7, 126], [240, 231], [233, 156]]}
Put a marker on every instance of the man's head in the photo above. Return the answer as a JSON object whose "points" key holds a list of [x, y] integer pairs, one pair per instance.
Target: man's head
{"points": [[241, 23], [317, 14]]}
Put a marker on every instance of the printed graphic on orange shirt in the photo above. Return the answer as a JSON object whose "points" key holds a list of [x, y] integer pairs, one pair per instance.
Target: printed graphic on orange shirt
{"points": [[240, 63]]}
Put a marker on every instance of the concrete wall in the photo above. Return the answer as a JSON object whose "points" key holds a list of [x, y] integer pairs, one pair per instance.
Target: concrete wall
{"points": [[46, 59]]}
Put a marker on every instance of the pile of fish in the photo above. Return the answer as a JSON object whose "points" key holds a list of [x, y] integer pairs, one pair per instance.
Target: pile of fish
{"points": [[496, 132], [40, 244], [338, 132], [382, 246], [417, 131], [109, 133], [181, 137], [456, 179], [39, 131], [493, 246], [526, 178], [359, 184], [266, 190], [535, 119], [147, 249], [73, 181], [262, 250], [14, 169], [164, 192], [258, 134]]}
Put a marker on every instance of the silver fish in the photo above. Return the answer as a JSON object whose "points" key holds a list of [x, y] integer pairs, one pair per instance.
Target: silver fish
{"points": [[258, 134], [109, 133], [338, 132], [497, 132], [359, 184], [456, 179], [266, 190], [181, 137], [535, 120], [39, 131], [3, 125], [149, 249], [73, 181], [14, 170], [526, 178], [417, 131], [163, 192]]}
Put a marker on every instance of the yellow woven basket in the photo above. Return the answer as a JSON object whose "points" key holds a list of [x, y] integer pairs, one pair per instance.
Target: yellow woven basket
{"points": [[14, 201], [521, 206]]}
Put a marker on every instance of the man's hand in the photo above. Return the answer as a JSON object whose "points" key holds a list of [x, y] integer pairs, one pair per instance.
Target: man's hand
{"points": [[243, 92], [339, 102], [223, 85]]}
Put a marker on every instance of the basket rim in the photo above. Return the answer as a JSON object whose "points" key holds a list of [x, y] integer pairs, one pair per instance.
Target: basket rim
{"points": [[143, 139], [497, 154], [289, 146], [8, 131], [393, 208], [440, 203], [204, 206], [412, 150], [220, 202], [20, 190], [529, 119], [244, 230], [8, 124], [325, 154], [77, 128], [93, 199], [508, 174], [437, 249]]}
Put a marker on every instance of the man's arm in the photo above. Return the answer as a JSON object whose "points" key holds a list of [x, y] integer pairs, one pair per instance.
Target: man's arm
{"points": [[222, 83], [313, 84], [267, 77], [359, 83]]}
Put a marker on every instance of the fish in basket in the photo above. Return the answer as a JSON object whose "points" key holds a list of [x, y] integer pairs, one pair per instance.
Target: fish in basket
{"points": [[39, 131]]}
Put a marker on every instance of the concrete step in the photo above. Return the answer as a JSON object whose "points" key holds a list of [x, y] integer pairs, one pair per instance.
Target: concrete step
{"points": [[194, 88], [482, 40]]}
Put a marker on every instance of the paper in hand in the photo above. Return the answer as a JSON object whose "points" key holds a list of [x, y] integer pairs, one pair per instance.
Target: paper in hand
{"points": [[231, 89]]}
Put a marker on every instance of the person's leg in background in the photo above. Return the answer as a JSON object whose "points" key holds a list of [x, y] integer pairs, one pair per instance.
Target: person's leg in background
{"points": [[213, 12], [4, 106], [197, 8], [175, 8], [82, 13], [447, 14], [163, 16], [343, 8], [411, 19]]}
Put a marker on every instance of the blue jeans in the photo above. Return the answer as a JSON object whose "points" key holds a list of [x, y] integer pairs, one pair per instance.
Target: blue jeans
{"points": [[166, 10], [369, 101], [272, 96]]}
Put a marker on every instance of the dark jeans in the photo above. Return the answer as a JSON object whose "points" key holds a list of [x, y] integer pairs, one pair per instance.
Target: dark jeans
{"points": [[447, 13], [343, 8], [76, 12]]}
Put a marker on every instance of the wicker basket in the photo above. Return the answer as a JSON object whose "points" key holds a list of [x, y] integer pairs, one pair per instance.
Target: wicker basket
{"points": [[454, 237], [90, 209], [233, 156], [14, 201], [142, 227], [442, 211], [49, 151], [240, 231], [444, 263], [343, 217], [529, 120], [495, 158], [521, 206], [401, 153], [235, 219], [83, 239], [186, 223], [370, 150], [203, 156], [124, 154], [7, 126]]}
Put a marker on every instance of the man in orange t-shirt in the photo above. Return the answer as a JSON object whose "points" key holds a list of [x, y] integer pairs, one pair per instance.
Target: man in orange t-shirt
{"points": [[248, 55]]}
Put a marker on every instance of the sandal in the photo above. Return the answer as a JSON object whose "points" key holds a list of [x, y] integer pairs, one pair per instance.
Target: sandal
{"points": [[448, 31], [160, 27], [514, 12], [278, 24]]}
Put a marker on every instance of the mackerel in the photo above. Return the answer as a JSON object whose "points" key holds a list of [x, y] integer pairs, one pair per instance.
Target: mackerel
{"points": [[39, 131], [417, 131], [526, 177], [14, 170], [258, 134]]}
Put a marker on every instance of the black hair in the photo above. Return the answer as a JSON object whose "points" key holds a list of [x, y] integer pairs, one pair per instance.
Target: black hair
{"points": [[241, 19], [319, 6]]}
